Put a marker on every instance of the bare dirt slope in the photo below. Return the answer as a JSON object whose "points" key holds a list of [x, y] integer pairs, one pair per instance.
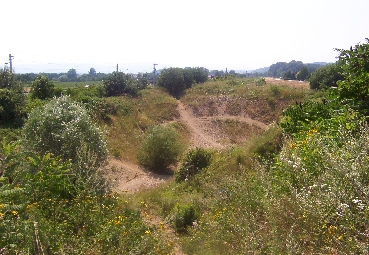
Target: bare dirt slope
{"points": [[200, 138], [128, 177]]}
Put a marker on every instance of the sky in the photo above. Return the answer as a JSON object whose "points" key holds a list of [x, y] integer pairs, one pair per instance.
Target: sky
{"points": [[57, 35]]}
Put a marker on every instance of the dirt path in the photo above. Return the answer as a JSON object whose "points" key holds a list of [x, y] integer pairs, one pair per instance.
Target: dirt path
{"points": [[130, 178], [199, 137], [248, 120]]}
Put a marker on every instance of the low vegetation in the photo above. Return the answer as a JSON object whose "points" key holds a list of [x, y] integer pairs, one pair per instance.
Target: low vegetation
{"points": [[160, 149]]}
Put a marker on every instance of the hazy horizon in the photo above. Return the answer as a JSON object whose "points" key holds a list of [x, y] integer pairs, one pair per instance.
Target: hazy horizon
{"points": [[238, 35]]}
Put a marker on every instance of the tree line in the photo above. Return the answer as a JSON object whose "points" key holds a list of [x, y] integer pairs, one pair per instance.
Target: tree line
{"points": [[294, 70]]}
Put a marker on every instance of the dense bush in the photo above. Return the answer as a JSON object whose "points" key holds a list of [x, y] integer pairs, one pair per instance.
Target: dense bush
{"points": [[64, 128], [172, 80], [199, 74], [11, 106], [188, 77], [303, 74], [160, 149], [326, 77], [354, 64], [42, 88], [118, 83], [176, 80], [185, 217], [194, 161], [12, 99]]}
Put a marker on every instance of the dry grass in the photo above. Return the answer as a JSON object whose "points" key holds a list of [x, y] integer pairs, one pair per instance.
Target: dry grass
{"points": [[134, 117]]}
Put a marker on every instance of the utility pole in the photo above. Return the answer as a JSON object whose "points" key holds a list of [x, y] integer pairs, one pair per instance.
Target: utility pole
{"points": [[154, 80], [117, 67], [10, 62]]}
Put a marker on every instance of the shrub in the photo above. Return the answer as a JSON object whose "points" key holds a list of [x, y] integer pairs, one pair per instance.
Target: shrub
{"points": [[185, 217], [188, 77], [173, 81], [117, 84], [194, 161], [260, 81], [11, 99], [64, 128], [199, 74], [325, 77], [160, 149], [42, 88], [11, 106], [354, 64]]}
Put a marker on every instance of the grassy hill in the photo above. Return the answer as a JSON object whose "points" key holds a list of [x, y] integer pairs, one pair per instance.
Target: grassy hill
{"points": [[217, 201], [269, 184]]}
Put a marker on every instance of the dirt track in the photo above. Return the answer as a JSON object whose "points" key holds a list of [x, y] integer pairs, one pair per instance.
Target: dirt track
{"points": [[130, 178]]}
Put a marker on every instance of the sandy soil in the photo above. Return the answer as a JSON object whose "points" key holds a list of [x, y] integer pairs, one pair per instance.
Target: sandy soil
{"points": [[293, 83]]}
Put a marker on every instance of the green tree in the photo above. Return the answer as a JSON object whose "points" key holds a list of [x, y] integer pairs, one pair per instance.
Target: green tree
{"points": [[12, 99], [142, 80], [42, 88], [354, 64], [325, 77], [92, 72], [172, 80], [117, 84], [63, 78], [199, 74], [160, 149], [188, 77], [302, 74], [72, 74], [232, 73]]}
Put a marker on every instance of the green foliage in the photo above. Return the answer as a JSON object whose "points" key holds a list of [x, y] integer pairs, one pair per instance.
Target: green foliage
{"points": [[176, 80], [160, 149], [98, 108], [326, 181], [42, 88], [260, 81], [72, 75], [45, 210], [172, 80], [11, 106], [354, 64], [48, 178], [326, 77], [11, 99], [118, 83], [286, 70], [194, 161], [188, 77], [63, 78], [303, 74], [142, 81], [199, 74], [185, 216], [63, 128], [8, 80]]}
